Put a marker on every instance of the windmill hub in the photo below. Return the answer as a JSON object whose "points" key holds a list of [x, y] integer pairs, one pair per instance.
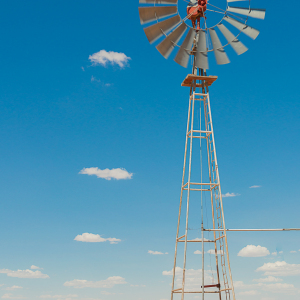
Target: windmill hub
{"points": [[195, 11]]}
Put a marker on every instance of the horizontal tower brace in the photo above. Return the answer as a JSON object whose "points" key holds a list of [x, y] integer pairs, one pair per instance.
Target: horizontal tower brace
{"points": [[284, 229], [193, 241], [199, 183]]}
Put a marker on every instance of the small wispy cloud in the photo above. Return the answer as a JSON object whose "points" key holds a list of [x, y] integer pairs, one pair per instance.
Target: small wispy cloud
{"points": [[33, 267], [268, 279], [107, 173], [227, 195], [95, 238], [211, 251], [293, 251], [11, 296], [108, 283], [156, 252], [12, 288], [82, 68], [114, 58], [95, 79], [58, 297], [255, 187]]}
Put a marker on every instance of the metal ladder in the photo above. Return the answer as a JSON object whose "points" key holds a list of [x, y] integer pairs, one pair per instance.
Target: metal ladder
{"points": [[216, 192]]}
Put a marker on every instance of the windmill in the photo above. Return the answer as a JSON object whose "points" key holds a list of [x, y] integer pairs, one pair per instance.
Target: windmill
{"points": [[195, 39]]}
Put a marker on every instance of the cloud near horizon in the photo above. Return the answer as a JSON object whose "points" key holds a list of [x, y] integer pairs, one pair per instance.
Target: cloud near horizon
{"points": [[59, 297], [156, 252], [255, 187], [114, 58], [24, 273], [107, 173], [95, 238], [108, 283], [279, 268]]}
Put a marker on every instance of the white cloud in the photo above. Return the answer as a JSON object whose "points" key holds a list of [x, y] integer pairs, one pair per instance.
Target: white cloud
{"points": [[24, 273], [33, 267], [95, 79], [95, 238], [14, 287], [268, 279], [107, 293], [59, 297], [103, 58], [249, 293], [108, 283], [254, 251], [137, 285], [107, 173], [212, 251], [255, 187], [11, 296], [156, 252], [293, 251], [274, 253], [198, 252], [279, 288], [280, 268], [193, 278], [230, 195], [280, 252]]}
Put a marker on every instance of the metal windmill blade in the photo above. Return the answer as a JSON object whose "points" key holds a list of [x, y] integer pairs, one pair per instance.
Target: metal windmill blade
{"points": [[149, 14], [252, 12]]}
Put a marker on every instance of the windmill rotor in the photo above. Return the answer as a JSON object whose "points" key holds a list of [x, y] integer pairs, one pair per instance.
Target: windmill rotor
{"points": [[191, 36]]}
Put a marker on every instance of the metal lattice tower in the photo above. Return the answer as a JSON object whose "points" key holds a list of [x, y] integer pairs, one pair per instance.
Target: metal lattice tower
{"points": [[200, 128]]}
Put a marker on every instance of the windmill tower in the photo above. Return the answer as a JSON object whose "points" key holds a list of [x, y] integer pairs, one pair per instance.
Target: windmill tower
{"points": [[200, 190]]}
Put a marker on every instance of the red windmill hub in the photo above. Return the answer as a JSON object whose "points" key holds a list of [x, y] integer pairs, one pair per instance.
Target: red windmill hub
{"points": [[196, 10]]}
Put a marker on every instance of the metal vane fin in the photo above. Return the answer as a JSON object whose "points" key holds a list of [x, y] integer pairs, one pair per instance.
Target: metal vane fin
{"points": [[220, 54], [158, 1], [154, 32], [148, 14], [237, 46], [201, 55], [253, 12], [182, 57], [248, 30], [167, 45]]}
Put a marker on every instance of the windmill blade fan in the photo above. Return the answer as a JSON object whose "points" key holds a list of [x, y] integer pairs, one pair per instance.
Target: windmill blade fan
{"points": [[248, 30], [158, 1], [201, 55], [200, 40], [237, 46], [220, 54], [167, 45], [182, 57], [253, 12], [149, 14], [154, 32]]}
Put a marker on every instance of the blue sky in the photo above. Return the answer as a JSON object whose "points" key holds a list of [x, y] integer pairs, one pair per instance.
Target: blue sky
{"points": [[59, 114]]}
